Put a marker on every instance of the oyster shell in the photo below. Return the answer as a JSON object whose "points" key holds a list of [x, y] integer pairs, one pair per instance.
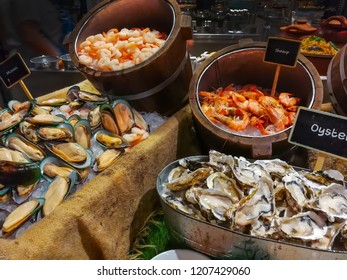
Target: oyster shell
{"points": [[327, 241], [333, 201], [297, 194], [179, 204], [259, 203], [214, 202], [55, 194], [219, 181], [190, 179], [304, 226], [276, 167]]}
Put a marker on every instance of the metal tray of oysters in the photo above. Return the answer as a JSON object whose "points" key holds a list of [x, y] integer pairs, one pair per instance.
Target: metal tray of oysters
{"points": [[232, 208]]}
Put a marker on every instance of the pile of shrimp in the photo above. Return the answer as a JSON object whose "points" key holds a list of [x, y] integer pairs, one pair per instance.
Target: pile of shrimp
{"points": [[116, 50], [249, 106]]}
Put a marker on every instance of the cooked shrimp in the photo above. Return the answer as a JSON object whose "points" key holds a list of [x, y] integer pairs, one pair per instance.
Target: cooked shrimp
{"points": [[237, 109], [237, 122], [256, 108], [240, 100], [287, 100], [276, 113], [258, 123]]}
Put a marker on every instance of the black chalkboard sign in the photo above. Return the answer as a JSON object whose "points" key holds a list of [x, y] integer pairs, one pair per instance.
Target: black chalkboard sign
{"points": [[13, 70], [282, 51], [320, 131]]}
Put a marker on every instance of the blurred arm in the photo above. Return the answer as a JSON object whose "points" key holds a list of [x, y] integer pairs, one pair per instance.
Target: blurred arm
{"points": [[29, 32]]}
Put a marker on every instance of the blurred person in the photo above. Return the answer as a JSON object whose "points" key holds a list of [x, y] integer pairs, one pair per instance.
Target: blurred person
{"points": [[34, 28], [333, 7]]}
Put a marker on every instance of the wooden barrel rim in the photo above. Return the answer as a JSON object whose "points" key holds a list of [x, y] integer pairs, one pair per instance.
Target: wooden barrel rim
{"points": [[176, 29], [259, 142], [337, 81]]}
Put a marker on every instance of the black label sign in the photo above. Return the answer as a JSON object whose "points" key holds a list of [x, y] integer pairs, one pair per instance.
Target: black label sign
{"points": [[320, 131], [13, 69], [282, 51]]}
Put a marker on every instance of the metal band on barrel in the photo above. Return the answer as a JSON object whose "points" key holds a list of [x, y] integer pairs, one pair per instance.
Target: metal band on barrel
{"points": [[159, 87]]}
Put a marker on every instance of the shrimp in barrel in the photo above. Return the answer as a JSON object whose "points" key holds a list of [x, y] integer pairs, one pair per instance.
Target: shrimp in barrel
{"points": [[287, 99], [237, 122], [276, 113]]}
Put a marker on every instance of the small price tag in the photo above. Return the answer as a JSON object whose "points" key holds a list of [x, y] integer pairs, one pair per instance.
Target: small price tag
{"points": [[13, 70], [320, 131], [282, 51]]}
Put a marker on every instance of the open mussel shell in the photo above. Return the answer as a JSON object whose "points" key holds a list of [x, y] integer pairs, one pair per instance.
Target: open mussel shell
{"points": [[140, 122], [9, 123], [5, 194], [17, 173], [109, 140], [39, 110], [108, 121], [14, 105], [22, 193], [5, 114], [52, 167], [72, 93], [83, 133], [76, 93], [57, 191], [29, 131], [73, 119], [46, 119], [26, 106], [106, 158], [7, 154], [94, 117], [20, 215], [60, 132], [124, 115], [54, 102], [71, 153], [19, 143]]}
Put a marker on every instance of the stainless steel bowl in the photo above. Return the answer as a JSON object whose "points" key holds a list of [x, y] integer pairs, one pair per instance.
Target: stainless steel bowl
{"points": [[67, 62], [224, 243], [45, 62]]}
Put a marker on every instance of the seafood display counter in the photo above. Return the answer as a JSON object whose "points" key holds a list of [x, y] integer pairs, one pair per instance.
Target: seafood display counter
{"points": [[101, 219]]}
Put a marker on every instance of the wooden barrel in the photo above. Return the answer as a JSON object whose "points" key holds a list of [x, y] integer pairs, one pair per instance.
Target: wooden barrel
{"points": [[242, 64], [337, 81], [159, 83]]}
